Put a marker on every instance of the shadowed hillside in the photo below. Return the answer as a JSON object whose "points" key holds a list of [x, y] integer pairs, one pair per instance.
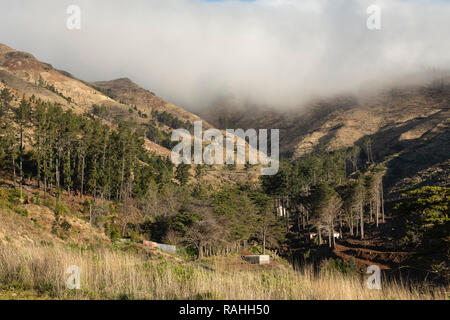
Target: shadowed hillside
{"points": [[408, 127]]}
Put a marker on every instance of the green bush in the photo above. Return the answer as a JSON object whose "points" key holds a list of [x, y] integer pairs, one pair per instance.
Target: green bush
{"points": [[36, 198], [4, 201], [256, 250], [339, 266], [135, 236], [61, 209], [14, 196], [65, 225], [86, 206], [425, 212], [22, 212], [113, 231], [48, 203], [189, 252]]}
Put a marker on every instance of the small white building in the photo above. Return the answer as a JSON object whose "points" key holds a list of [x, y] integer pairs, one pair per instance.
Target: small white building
{"points": [[313, 235], [257, 259], [281, 211]]}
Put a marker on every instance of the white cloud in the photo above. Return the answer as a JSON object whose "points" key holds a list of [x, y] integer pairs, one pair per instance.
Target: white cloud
{"points": [[277, 52]]}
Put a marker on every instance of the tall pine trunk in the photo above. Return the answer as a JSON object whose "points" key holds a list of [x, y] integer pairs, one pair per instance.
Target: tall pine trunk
{"points": [[330, 229], [57, 176], [21, 161], [320, 235], [382, 200], [14, 169], [38, 163], [377, 208], [82, 177], [264, 240], [361, 217]]}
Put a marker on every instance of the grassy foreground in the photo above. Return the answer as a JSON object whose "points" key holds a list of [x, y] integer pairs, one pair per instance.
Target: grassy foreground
{"points": [[39, 272]]}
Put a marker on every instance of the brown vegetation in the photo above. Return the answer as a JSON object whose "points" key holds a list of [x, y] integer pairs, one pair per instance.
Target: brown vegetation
{"points": [[107, 274]]}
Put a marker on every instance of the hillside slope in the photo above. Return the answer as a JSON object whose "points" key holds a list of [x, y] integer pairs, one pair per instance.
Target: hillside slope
{"points": [[129, 93], [409, 128], [26, 76]]}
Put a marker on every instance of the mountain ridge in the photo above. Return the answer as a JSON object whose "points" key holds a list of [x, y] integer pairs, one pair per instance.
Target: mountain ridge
{"points": [[408, 128], [26, 75]]}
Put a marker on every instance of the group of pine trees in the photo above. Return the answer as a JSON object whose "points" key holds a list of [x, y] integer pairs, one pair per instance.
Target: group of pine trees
{"points": [[64, 151], [60, 152], [222, 221], [171, 121], [325, 192]]}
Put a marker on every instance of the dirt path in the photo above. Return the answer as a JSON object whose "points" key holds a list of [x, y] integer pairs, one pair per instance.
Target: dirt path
{"points": [[365, 257]]}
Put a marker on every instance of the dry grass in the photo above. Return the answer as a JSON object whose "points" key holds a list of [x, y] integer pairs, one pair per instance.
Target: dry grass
{"points": [[112, 274]]}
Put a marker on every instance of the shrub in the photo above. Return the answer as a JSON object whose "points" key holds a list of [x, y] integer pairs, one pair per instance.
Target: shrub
{"points": [[86, 206], [35, 198], [4, 201], [339, 266], [61, 209], [256, 250], [22, 212], [425, 213], [113, 231], [14, 196], [65, 225], [48, 203]]}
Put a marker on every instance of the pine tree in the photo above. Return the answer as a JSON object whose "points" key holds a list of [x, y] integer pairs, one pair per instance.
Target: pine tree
{"points": [[22, 116], [182, 173]]}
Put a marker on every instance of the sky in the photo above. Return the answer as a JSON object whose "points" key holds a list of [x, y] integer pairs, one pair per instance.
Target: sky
{"points": [[278, 53]]}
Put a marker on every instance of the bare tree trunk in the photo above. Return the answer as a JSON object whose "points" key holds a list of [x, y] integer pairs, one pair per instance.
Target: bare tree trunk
{"points": [[382, 200], [287, 219], [82, 177], [264, 241], [320, 236], [304, 212], [377, 207], [20, 162], [45, 187], [200, 252], [90, 213], [329, 235], [351, 223], [68, 173], [122, 175], [361, 217], [57, 176], [334, 239], [45, 179], [307, 215], [14, 170], [38, 163]]}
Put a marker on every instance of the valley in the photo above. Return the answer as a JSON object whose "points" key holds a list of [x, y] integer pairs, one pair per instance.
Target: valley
{"points": [[86, 178]]}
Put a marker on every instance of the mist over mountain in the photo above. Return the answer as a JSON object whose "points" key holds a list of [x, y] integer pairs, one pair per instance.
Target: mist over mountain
{"points": [[277, 53]]}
